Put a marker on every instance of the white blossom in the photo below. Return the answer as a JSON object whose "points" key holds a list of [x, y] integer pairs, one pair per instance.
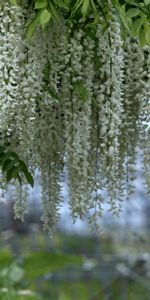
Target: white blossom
{"points": [[76, 100]]}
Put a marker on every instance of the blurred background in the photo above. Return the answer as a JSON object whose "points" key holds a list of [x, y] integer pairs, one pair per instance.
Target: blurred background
{"points": [[76, 264]]}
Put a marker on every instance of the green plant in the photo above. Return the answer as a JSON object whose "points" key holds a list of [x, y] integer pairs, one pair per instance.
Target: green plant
{"points": [[13, 167], [134, 15]]}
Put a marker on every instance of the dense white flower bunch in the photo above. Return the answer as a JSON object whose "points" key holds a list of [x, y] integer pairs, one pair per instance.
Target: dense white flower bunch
{"points": [[110, 103], [11, 54], [74, 101], [133, 94]]}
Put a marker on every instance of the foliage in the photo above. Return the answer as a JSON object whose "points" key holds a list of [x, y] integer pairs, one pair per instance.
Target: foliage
{"points": [[48, 274], [13, 167], [53, 262], [134, 15], [34, 266]]}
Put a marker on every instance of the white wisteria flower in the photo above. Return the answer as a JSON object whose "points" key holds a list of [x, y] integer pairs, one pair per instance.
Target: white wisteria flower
{"points": [[74, 100]]}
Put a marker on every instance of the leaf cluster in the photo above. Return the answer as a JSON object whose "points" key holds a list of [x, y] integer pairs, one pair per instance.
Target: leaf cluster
{"points": [[13, 167], [45, 12], [134, 15]]}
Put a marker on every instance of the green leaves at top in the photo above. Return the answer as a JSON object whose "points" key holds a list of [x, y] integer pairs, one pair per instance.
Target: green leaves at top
{"points": [[131, 14], [135, 17], [45, 11], [13, 167]]}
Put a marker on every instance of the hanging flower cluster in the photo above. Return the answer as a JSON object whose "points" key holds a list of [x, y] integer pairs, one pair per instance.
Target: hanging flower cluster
{"points": [[74, 101]]}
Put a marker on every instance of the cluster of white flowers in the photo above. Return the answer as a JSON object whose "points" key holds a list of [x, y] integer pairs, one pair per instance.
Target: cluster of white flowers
{"points": [[11, 56], [74, 98], [21, 202], [133, 94], [109, 94]]}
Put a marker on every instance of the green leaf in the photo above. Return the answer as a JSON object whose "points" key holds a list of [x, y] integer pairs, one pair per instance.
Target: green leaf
{"points": [[77, 5], [13, 2], [32, 27], [11, 165], [24, 169], [142, 37], [29, 178], [2, 149], [62, 4], [93, 6], [8, 155], [14, 155], [85, 7], [122, 15], [131, 1], [136, 27], [22, 166], [4, 156], [45, 17], [132, 12], [7, 165], [54, 11], [147, 2], [12, 174], [147, 34], [19, 178], [40, 4]]}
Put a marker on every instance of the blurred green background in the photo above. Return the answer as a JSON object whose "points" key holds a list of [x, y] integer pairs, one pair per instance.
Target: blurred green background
{"points": [[73, 266]]}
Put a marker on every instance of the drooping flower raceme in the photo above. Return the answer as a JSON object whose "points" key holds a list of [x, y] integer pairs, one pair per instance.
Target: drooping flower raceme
{"points": [[109, 95]]}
